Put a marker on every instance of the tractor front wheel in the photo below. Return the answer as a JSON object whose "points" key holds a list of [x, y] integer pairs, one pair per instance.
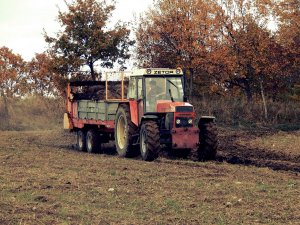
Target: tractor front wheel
{"points": [[149, 140], [208, 141]]}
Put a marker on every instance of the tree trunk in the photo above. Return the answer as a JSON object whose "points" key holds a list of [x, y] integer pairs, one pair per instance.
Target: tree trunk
{"points": [[5, 120], [264, 100], [91, 65], [248, 91], [191, 70]]}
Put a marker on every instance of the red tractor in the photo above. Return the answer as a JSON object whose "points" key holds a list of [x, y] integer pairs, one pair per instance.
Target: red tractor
{"points": [[154, 114]]}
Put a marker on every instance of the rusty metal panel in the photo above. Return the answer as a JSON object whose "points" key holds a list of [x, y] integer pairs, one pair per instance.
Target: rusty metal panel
{"points": [[111, 117], [82, 104], [91, 115], [101, 106], [101, 116], [112, 108], [185, 138], [82, 115], [91, 104]]}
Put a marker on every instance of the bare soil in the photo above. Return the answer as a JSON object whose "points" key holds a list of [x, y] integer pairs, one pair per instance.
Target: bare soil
{"points": [[257, 148], [44, 180]]}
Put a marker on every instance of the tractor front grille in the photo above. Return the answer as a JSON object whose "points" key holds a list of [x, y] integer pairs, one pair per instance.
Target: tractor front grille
{"points": [[184, 109]]}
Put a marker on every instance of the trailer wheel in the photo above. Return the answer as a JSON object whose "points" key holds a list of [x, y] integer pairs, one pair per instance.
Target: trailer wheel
{"points": [[124, 132], [93, 144], [208, 141], [81, 138], [149, 140]]}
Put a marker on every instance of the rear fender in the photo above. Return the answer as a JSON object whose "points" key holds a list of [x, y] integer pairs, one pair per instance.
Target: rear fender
{"points": [[133, 105], [149, 117], [206, 119]]}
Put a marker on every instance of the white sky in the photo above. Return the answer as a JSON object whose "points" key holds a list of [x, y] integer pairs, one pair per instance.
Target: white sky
{"points": [[22, 22]]}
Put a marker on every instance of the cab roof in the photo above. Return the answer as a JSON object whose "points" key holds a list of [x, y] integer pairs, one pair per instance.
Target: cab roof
{"points": [[156, 71]]}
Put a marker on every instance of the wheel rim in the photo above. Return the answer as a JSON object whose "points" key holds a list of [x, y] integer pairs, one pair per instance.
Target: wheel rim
{"points": [[80, 142], [89, 143], [143, 143], [121, 131]]}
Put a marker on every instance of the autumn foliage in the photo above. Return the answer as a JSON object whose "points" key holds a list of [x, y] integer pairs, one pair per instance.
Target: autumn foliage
{"points": [[240, 52], [228, 44]]}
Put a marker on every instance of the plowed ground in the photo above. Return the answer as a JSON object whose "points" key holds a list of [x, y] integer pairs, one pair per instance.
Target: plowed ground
{"points": [[255, 180]]}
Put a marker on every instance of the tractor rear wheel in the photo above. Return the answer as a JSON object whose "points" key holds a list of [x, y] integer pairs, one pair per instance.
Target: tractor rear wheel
{"points": [[149, 140], [208, 141], [81, 138], [93, 144], [125, 130]]}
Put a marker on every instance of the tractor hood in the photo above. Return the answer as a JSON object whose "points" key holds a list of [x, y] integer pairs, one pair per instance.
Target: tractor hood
{"points": [[165, 106]]}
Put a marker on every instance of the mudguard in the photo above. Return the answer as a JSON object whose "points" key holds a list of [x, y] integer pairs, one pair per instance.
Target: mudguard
{"points": [[206, 119], [149, 117], [134, 112]]}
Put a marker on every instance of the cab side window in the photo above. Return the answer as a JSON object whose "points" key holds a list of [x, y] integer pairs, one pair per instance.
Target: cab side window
{"points": [[132, 89], [140, 88]]}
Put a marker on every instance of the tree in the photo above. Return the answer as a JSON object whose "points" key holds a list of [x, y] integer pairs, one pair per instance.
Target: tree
{"points": [[41, 78], [288, 18], [179, 33], [12, 73], [258, 56], [86, 39]]}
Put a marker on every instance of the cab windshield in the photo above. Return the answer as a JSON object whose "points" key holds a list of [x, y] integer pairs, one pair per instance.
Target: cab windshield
{"points": [[162, 88]]}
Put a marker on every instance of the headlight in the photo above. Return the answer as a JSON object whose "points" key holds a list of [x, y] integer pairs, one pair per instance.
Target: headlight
{"points": [[190, 121], [178, 121]]}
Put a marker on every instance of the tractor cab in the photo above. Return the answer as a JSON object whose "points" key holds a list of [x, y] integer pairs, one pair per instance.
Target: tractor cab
{"points": [[154, 88], [162, 89]]}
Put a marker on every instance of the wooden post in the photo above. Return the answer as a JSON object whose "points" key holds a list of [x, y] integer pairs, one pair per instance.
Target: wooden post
{"points": [[122, 86], [106, 86]]}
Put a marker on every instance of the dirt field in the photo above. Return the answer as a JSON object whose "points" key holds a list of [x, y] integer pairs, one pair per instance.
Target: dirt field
{"points": [[255, 180]]}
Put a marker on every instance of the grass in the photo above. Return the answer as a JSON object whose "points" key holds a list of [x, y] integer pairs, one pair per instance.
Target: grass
{"points": [[38, 113], [32, 113], [286, 142], [237, 112], [44, 181]]}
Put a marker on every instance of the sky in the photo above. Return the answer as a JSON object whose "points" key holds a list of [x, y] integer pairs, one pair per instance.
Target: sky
{"points": [[22, 22]]}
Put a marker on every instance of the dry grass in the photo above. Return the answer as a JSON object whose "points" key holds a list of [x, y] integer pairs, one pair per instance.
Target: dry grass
{"points": [[36, 113], [238, 112], [32, 113], [44, 181], [288, 143]]}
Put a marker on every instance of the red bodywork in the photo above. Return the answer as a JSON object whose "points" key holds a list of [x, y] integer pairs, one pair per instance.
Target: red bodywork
{"points": [[133, 104], [185, 138], [165, 106], [182, 138]]}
